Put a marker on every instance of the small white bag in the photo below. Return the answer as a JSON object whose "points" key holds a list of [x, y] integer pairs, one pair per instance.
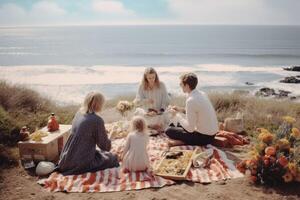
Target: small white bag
{"points": [[44, 168], [202, 158]]}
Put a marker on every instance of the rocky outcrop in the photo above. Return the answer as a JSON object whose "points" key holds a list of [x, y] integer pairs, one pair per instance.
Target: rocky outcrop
{"points": [[249, 83], [294, 68], [290, 79], [267, 92], [293, 98], [282, 93]]}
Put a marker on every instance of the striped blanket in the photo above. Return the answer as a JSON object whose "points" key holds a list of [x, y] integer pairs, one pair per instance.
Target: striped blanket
{"points": [[114, 179]]}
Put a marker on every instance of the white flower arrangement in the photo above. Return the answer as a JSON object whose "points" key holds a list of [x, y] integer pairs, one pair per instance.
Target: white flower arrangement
{"points": [[124, 106]]}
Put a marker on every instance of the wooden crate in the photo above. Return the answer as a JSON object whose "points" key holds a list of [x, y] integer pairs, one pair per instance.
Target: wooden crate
{"points": [[176, 177], [49, 148]]}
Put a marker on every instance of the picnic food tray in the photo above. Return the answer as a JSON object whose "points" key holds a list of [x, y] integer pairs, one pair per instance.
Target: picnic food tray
{"points": [[175, 164]]}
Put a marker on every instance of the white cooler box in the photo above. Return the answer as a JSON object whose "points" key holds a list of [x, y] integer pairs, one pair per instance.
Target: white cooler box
{"points": [[49, 148]]}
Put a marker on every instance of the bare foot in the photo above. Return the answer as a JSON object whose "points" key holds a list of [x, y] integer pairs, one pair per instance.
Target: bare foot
{"points": [[119, 157], [221, 126], [155, 127], [172, 143]]}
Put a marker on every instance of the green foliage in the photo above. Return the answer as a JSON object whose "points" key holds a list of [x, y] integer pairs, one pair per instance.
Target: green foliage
{"points": [[8, 128], [8, 156], [20, 106]]}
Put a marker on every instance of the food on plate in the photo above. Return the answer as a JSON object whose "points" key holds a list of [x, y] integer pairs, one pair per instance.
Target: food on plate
{"points": [[174, 155], [152, 112], [37, 135], [175, 163]]}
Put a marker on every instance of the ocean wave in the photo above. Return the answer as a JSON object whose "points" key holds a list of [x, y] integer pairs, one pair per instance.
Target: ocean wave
{"points": [[15, 48], [205, 54], [98, 74], [19, 53], [237, 68]]}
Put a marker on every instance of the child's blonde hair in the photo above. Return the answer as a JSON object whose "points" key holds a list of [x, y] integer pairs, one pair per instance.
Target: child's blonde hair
{"points": [[138, 123]]}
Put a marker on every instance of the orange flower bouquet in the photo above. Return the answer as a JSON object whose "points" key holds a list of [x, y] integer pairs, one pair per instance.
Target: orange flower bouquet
{"points": [[276, 157]]}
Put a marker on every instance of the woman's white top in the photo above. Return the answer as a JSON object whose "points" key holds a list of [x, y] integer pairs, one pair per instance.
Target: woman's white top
{"points": [[135, 152], [200, 114], [159, 96]]}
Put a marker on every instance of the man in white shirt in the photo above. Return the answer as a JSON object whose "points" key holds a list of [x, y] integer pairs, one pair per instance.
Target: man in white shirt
{"points": [[200, 125]]}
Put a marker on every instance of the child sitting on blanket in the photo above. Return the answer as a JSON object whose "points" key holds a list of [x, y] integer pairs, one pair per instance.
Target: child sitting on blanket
{"points": [[135, 155]]}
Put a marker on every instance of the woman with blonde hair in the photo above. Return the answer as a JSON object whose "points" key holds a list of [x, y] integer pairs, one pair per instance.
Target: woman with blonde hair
{"points": [[152, 93], [79, 154]]}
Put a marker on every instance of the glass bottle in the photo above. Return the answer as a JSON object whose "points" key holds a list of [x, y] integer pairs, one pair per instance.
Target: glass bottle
{"points": [[52, 123]]}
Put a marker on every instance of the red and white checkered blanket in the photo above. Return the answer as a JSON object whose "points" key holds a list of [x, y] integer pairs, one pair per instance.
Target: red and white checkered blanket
{"points": [[109, 180]]}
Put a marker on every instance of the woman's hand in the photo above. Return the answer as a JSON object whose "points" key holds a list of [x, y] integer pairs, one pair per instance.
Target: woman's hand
{"points": [[175, 108], [178, 109], [173, 112], [120, 157]]}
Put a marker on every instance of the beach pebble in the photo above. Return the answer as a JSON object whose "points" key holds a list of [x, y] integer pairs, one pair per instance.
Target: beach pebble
{"points": [[19, 188], [221, 182]]}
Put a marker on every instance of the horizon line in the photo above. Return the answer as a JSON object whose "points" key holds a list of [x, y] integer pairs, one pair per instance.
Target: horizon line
{"points": [[154, 24]]}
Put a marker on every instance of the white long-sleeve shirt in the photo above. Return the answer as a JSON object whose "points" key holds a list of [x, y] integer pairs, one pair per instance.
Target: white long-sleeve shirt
{"points": [[200, 114], [159, 96]]}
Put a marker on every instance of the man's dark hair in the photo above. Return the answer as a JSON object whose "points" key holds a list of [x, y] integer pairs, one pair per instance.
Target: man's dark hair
{"points": [[190, 79]]}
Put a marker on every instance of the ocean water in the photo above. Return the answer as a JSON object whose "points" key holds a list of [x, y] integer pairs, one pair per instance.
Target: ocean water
{"points": [[65, 63]]}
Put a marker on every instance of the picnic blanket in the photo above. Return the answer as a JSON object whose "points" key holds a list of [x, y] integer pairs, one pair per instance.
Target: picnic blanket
{"points": [[233, 139], [109, 180]]}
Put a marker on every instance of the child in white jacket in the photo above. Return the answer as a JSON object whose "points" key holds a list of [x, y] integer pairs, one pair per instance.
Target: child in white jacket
{"points": [[135, 155]]}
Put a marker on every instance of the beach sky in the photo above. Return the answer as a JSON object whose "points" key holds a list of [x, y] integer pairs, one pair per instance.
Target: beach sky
{"points": [[132, 12]]}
